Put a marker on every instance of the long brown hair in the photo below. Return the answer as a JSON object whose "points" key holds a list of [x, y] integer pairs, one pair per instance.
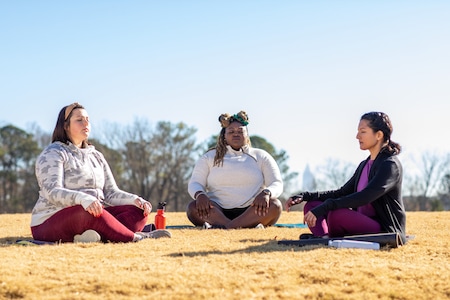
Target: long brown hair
{"points": [[63, 121]]}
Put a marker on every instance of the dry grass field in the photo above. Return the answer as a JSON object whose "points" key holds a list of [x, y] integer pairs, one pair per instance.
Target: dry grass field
{"points": [[221, 264]]}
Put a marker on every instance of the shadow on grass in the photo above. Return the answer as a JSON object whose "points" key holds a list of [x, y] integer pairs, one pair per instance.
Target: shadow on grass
{"points": [[11, 240], [266, 247], [22, 241]]}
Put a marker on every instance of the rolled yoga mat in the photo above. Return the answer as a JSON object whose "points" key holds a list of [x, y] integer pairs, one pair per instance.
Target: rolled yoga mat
{"points": [[392, 240]]}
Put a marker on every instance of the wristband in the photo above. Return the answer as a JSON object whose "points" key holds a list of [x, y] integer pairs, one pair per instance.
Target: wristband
{"points": [[201, 193]]}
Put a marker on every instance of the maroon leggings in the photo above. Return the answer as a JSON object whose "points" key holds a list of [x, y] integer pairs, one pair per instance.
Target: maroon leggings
{"points": [[342, 222], [116, 224]]}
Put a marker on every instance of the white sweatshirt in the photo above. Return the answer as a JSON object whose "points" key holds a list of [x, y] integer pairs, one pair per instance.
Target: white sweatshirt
{"points": [[236, 183]]}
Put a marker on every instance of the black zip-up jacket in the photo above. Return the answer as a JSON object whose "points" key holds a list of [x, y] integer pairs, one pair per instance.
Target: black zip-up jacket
{"points": [[383, 191]]}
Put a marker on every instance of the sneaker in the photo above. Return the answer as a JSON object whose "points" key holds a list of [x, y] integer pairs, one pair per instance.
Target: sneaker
{"points": [[149, 228], [260, 226], [155, 234], [206, 225], [89, 236]]}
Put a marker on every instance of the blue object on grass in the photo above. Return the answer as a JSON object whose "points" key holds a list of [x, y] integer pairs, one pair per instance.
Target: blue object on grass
{"points": [[292, 225], [179, 226], [34, 243]]}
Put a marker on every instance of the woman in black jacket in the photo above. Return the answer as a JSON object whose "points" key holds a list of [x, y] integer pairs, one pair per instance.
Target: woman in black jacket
{"points": [[371, 201]]}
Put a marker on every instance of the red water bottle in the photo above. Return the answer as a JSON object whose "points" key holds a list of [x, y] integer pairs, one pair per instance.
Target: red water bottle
{"points": [[160, 218]]}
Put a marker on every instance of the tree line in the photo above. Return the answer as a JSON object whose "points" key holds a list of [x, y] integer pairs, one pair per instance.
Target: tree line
{"points": [[156, 162]]}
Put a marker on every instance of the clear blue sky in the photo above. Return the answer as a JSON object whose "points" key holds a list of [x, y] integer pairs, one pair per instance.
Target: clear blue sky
{"points": [[305, 71]]}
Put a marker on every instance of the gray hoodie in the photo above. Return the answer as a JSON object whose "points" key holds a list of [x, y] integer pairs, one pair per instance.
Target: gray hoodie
{"points": [[68, 176]]}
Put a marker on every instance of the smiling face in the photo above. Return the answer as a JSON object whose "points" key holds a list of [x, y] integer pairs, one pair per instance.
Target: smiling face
{"points": [[368, 139], [236, 135], [79, 127]]}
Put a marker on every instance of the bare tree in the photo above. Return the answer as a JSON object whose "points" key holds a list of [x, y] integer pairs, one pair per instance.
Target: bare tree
{"points": [[157, 161], [18, 152], [423, 186], [42, 138], [174, 155], [444, 187], [444, 195], [333, 174], [137, 151], [114, 159]]}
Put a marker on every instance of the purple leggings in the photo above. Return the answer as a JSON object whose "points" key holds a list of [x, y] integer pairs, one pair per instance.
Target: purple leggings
{"points": [[116, 224], [342, 222]]}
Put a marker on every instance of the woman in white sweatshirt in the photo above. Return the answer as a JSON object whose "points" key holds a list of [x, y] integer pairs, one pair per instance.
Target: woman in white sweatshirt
{"points": [[234, 185], [79, 199]]}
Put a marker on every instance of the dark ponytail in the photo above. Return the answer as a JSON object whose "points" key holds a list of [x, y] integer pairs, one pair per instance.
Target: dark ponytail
{"points": [[380, 121]]}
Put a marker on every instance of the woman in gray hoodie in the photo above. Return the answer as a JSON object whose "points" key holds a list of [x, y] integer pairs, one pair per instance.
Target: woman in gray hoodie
{"points": [[79, 199]]}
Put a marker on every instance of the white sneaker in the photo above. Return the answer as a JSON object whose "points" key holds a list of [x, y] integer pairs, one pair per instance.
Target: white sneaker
{"points": [[155, 234], [260, 226], [206, 225], [89, 236]]}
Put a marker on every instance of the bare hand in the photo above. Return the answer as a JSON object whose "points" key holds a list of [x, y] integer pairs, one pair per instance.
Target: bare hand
{"points": [[261, 204], [203, 205], [144, 205], [293, 200], [310, 219], [95, 208]]}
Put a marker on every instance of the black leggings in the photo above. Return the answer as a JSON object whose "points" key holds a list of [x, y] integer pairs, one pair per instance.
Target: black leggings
{"points": [[233, 213]]}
